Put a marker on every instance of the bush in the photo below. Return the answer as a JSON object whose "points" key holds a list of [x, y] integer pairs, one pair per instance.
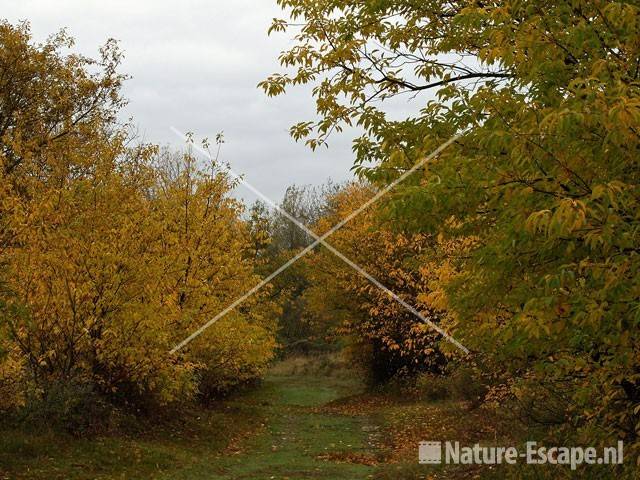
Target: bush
{"points": [[110, 254], [432, 387], [74, 408], [542, 402], [466, 384], [236, 352]]}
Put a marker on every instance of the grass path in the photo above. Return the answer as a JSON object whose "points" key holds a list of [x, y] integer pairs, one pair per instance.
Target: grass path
{"points": [[275, 431], [298, 424], [299, 440]]}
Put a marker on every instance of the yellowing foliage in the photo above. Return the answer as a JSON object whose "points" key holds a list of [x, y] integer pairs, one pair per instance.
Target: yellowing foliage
{"points": [[392, 340], [111, 254], [545, 178]]}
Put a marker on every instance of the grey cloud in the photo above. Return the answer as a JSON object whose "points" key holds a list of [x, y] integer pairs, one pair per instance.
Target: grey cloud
{"points": [[195, 65]]}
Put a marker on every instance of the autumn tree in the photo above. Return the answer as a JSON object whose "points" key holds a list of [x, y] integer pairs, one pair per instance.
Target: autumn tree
{"points": [[207, 261], [111, 258], [536, 204], [385, 338], [54, 120], [277, 240], [259, 226]]}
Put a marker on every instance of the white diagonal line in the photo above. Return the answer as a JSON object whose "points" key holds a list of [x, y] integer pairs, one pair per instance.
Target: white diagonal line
{"points": [[321, 240]]}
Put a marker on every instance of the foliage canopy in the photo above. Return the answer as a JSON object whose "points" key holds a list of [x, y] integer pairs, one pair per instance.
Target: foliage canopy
{"points": [[111, 251], [534, 212]]}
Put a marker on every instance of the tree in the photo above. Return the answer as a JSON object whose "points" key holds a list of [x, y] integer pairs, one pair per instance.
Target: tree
{"points": [[306, 204], [112, 251], [389, 340], [207, 260], [542, 187], [259, 225]]}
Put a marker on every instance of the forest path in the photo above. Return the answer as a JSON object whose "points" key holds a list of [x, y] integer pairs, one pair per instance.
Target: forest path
{"points": [[298, 439], [308, 419], [285, 428]]}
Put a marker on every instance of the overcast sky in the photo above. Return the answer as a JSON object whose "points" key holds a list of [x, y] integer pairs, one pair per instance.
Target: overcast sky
{"points": [[195, 65]]}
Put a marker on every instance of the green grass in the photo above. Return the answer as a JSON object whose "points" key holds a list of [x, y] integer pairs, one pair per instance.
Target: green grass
{"points": [[273, 431], [307, 420], [296, 437], [37, 455]]}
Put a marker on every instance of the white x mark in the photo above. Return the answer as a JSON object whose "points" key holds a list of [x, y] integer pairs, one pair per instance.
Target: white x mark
{"points": [[321, 240]]}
